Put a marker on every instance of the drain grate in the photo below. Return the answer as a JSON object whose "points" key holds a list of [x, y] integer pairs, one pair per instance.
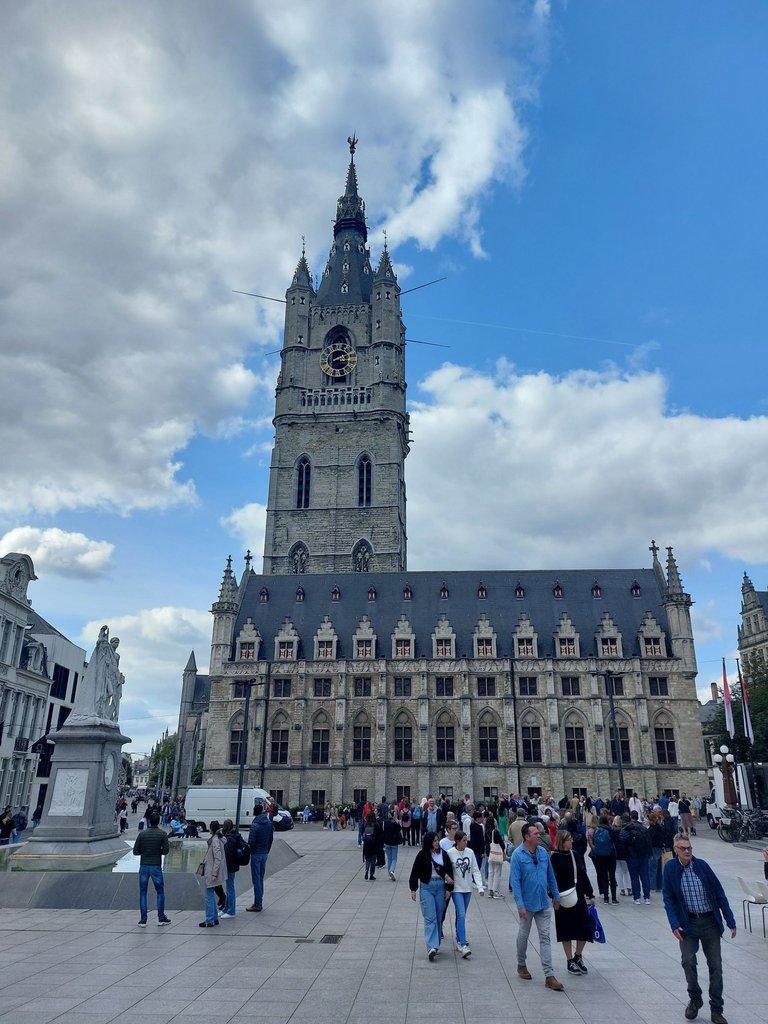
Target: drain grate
{"points": [[331, 940], [304, 940]]}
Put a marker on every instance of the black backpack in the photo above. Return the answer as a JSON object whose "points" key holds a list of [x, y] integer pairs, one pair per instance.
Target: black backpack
{"points": [[242, 851], [640, 844]]}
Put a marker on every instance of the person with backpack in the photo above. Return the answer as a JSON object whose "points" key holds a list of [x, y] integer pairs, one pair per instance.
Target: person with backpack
{"points": [[373, 841], [237, 854], [603, 854], [392, 832], [637, 842], [20, 822], [415, 837]]}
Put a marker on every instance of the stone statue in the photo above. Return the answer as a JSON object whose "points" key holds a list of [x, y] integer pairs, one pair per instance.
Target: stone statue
{"points": [[98, 696]]}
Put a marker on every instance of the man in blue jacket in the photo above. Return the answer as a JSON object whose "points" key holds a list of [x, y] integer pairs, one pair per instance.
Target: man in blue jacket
{"points": [[696, 905], [260, 841], [532, 880]]}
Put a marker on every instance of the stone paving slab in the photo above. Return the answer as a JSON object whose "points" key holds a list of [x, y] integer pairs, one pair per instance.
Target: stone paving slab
{"points": [[97, 967]]}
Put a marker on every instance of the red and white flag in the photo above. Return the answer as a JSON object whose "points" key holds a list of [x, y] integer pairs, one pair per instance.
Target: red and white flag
{"points": [[745, 707], [728, 706]]}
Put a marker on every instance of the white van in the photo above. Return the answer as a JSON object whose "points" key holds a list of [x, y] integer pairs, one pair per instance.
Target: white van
{"points": [[204, 804]]}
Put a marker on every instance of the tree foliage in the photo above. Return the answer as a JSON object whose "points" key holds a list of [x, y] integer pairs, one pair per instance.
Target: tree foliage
{"points": [[757, 698], [163, 755]]}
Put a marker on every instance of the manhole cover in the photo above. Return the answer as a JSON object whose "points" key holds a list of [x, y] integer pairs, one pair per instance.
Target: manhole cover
{"points": [[331, 940]]}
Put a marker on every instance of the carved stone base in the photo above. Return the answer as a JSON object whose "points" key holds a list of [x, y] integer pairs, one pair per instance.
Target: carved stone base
{"points": [[68, 856]]}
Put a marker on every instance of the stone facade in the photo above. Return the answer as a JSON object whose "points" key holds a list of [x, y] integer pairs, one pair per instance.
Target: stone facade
{"points": [[337, 674], [753, 631]]}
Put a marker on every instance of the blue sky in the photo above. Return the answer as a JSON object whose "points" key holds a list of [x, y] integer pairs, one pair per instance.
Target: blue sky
{"points": [[590, 179]]}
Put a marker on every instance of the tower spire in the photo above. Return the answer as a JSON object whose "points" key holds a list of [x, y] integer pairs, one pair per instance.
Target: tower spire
{"points": [[674, 583]]}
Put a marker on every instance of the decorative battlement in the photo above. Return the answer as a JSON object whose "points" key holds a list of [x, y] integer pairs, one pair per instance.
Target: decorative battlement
{"points": [[336, 396]]}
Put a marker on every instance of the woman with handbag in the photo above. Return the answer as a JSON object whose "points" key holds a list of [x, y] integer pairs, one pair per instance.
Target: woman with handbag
{"points": [[215, 873], [496, 858], [465, 872], [432, 881], [572, 920]]}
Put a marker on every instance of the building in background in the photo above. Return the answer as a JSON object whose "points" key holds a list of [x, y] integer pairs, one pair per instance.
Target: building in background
{"points": [[39, 673], [753, 631], [365, 679]]}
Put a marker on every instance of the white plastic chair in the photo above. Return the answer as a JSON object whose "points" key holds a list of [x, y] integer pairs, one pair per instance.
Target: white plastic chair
{"points": [[753, 898]]}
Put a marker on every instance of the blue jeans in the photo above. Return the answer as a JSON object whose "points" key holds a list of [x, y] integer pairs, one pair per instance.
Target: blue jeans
{"points": [[333, 824], [156, 874], [432, 899], [391, 852], [461, 905], [231, 902], [639, 872], [656, 868], [258, 865], [211, 906]]}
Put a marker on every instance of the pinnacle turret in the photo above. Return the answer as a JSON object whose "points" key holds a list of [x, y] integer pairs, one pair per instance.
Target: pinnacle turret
{"points": [[228, 592], [674, 583], [385, 270], [348, 276]]}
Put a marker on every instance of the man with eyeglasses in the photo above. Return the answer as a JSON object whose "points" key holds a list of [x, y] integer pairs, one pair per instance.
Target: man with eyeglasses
{"points": [[696, 905]]}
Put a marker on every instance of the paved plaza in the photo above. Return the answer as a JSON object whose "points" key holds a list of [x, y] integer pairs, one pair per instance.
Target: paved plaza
{"points": [[94, 967]]}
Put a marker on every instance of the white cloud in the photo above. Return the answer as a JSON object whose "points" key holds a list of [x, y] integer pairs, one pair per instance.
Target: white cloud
{"points": [[59, 552], [154, 647], [155, 158], [248, 525], [532, 466]]}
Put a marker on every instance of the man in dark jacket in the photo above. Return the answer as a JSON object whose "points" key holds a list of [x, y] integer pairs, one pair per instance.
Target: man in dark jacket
{"points": [[636, 840], [477, 837], [260, 841], [150, 845], [696, 904]]}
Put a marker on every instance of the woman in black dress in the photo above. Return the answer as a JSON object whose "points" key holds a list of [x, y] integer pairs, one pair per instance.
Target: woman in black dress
{"points": [[572, 924]]}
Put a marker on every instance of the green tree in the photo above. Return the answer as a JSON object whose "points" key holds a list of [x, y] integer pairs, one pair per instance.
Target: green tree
{"points": [[757, 697], [163, 757]]}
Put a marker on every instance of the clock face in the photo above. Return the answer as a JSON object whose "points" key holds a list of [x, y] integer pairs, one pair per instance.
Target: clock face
{"points": [[338, 359]]}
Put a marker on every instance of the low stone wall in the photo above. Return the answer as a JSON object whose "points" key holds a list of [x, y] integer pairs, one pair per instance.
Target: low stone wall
{"points": [[104, 890]]}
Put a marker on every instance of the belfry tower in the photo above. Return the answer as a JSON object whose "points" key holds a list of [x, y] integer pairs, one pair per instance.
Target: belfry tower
{"points": [[336, 498]]}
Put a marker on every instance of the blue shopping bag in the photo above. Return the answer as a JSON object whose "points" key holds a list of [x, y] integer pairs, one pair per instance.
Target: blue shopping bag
{"points": [[597, 928]]}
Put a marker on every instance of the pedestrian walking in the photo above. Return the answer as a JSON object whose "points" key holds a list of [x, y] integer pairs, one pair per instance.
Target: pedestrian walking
{"points": [[465, 873], [215, 874], [393, 837], [151, 844], [696, 905], [572, 923], [532, 878], [432, 880]]}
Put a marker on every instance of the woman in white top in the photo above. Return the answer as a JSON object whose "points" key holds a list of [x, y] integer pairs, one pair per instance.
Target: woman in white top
{"points": [[465, 872]]}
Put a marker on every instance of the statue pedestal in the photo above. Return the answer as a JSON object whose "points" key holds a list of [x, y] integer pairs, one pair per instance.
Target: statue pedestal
{"points": [[78, 829]]}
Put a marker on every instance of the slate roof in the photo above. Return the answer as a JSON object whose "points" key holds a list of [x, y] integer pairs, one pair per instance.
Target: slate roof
{"points": [[42, 626], [202, 694], [462, 607]]}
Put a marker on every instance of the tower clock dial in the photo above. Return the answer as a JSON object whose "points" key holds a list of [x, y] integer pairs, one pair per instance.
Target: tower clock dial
{"points": [[338, 359]]}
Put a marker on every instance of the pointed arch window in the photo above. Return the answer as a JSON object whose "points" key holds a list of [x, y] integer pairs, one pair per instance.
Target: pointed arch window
{"points": [[279, 741], [482, 593], [371, 593], [635, 590], [299, 557], [335, 594], [361, 740], [407, 593], [303, 481], [263, 595], [403, 738], [445, 739], [664, 735], [557, 590], [364, 481], [236, 739], [596, 590], [300, 595], [443, 593], [519, 592], [361, 557], [488, 739]]}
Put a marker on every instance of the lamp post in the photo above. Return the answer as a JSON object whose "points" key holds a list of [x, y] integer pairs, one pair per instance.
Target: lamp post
{"points": [[608, 677], [726, 762]]}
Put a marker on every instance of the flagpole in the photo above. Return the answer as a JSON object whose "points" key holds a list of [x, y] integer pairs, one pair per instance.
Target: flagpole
{"points": [[749, 734]]}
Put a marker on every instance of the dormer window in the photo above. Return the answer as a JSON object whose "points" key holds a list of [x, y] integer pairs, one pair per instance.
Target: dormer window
{"points": [[596, 591], [335, 594], [346, 247], [635, 590], [247, 651], [519, 592], [263, 595], [443, 593], [407, 593], [300, 595], [371, 593], [557, 591], [482, 593], [302, 301], [389, 294]]}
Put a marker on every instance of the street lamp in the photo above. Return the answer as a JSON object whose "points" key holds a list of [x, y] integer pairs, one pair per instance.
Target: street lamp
{"points": [[608, 677], [726, 762]]}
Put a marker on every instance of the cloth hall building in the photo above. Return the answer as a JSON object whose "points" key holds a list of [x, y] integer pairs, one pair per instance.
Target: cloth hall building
{"points": [[360, 678]]}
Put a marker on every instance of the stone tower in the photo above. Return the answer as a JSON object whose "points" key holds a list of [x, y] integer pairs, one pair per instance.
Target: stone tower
{"points": [[336, 498]]}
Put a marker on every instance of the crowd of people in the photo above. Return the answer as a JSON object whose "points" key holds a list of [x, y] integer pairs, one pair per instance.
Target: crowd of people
{"points": [[636, 846]]}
